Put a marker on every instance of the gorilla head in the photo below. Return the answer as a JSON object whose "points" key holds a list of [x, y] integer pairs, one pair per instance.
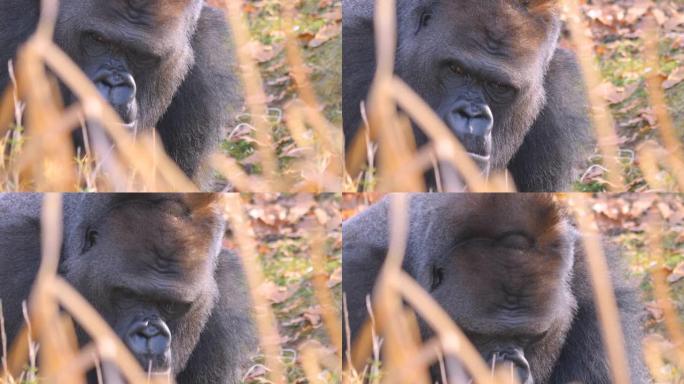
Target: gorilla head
{"points": [[152, 265], [164, 64], [132, 62], [164, 252], [516, 298], [484, 78], [508, 271], [488, 68]]}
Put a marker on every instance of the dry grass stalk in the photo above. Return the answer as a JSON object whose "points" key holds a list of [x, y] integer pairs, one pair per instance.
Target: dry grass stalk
{"points": [[667, 132], [331, 316], [255, 97], [604, 295], [661, 289], [264, 317]]}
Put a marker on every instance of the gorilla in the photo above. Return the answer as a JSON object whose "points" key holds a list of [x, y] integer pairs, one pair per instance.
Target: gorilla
{"points": [[510, 270], [163, 64], [491, 69], [152, 266]]}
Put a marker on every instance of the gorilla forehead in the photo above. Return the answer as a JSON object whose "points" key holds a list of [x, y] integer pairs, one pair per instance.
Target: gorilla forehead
{"points": [[144, 20], [445, 214], [503, 35], [207, 221]]}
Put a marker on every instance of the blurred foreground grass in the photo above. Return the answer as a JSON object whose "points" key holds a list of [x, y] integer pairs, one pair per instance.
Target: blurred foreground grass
{"points": [[317, 26], [283, 226]]}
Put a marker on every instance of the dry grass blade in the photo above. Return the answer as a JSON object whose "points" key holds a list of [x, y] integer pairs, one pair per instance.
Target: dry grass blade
{"points": [[600, 115], [331, 317], [668, 135], [255, 98], [662, 291], [446, 144], [603, 293], [265, 320], [452, 340], [398, 346]]}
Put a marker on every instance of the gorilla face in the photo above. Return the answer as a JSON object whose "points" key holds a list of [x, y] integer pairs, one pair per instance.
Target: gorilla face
{"points": [[164, 251], [509, 270], [480, 65], [136, 52], [505, 283]]}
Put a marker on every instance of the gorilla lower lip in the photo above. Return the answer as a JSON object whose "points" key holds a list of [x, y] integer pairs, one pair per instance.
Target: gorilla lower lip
{"points": [[130, 126]]}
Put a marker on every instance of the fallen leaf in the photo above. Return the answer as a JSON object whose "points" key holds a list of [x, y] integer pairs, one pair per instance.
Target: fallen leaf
{"points": [[674, 78], [324, 34], [677, 273]]}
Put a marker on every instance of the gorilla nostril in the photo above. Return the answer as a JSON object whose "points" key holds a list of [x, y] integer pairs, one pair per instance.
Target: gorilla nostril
{"points": [[149, 331], [117, 87], [466, 117], [470, 110], [149, 336]]}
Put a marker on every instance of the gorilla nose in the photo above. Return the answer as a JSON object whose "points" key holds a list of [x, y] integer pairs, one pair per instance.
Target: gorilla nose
{"points": [[119, 89], [150, 340], [472, 123], [516, 359]]}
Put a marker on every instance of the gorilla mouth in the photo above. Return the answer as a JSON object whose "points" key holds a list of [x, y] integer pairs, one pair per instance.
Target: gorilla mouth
{"points": [[482, 161], [130, 126]]}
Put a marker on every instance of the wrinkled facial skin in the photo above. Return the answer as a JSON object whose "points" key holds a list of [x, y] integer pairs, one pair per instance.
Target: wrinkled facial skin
{"points": [[148, 268], [505, 283], [136, 52], [480, 66]]}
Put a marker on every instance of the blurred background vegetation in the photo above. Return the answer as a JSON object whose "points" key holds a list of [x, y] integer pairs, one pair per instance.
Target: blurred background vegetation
{"points": [[283, 227], [618, 29], [318, 27]]}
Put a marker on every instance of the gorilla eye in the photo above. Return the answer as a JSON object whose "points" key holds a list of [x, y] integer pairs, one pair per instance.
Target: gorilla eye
{"points": [[174, 310], [90, 239], [437, 277], [425, 19], [457, 69], [515, 241], [96, 37], [94, 44], [501, 90]]}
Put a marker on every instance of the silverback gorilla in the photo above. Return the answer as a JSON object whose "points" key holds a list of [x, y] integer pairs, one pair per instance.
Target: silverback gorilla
{"points": [[492, 71], [152, 266], [510, 271], [163, 64]]}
